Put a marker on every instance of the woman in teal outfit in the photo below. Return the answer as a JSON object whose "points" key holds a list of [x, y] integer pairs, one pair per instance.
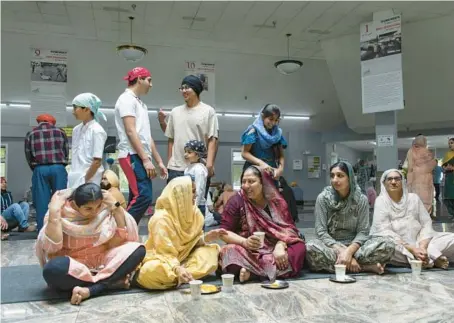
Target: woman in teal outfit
{"points": [[263, 143]]}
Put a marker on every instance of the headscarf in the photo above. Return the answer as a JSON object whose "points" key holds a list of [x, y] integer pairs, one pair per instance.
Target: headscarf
{"points": [[332, 198], [137, 72], [265, 139], [198, 147], [90, 101], [194, 83], [177, 222], [281, 225], [449, 155], [399, 208], [103, 226], [112, 178], [46, 118]]}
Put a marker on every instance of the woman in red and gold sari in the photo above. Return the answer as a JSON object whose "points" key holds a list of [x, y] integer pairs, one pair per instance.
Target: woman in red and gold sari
{"points": [[420, 163], [259, 207]]}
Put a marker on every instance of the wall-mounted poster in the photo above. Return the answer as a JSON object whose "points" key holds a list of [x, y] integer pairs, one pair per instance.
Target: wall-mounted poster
{"points": [[206, 73], [297, 164], [381, 65], [314, 166]]}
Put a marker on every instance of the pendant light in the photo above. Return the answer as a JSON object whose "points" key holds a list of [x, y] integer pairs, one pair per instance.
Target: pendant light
{"points": [[288, 66]]}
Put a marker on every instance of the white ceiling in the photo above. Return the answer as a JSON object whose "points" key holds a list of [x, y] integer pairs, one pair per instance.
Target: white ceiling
{"points": [[402, 143], [228, 25]]}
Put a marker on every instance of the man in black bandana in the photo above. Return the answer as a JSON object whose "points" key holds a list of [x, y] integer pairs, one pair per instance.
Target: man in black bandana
{"points": [[193, 120]]}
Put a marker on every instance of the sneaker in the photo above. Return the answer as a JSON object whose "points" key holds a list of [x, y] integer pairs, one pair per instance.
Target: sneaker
{"points": [[30, 228]]}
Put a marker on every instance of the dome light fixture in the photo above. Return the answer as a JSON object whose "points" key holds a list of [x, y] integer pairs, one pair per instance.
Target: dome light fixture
{"points": [[130, 52], [288, 66]]}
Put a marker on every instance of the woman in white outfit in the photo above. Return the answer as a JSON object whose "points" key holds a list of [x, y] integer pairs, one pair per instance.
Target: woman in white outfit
{"points": [[88, 141], [403, 217]]}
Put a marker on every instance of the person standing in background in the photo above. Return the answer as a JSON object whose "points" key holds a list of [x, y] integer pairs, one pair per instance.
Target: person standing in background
{"points": [[88, 141], [448, 169], [193, 120], [437, 174], [136, 146], [47, 154]]}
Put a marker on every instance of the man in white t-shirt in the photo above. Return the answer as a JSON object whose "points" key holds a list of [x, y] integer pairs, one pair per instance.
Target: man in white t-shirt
{"points": [[194, 120], [136, 147]]}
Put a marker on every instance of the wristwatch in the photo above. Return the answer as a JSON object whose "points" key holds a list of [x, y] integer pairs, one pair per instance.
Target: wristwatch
{"points": [[117, 205]]}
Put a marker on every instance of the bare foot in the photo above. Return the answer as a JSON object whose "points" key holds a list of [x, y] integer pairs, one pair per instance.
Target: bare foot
{"points": [[244, 275], [442, 262], [378, 268], [79, 294], [5, 236], [122, 284]]}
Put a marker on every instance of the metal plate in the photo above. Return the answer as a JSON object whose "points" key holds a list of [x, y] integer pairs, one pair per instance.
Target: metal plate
{"points": [[216, 289], [348, 280], [278, 284]]}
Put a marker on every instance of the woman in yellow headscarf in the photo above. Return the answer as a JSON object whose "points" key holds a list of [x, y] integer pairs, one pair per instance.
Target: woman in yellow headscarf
{"points": [[177, 249]]}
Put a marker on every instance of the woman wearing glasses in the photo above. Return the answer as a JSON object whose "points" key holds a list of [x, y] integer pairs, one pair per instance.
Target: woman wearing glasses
{"points": [[403, 217]]}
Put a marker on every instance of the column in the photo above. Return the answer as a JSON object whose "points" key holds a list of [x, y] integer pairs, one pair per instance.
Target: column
{"points": [[386, 139]]}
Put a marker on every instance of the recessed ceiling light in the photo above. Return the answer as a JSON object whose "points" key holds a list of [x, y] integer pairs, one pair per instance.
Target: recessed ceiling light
{"points": [[319, 32], [200, 19]]}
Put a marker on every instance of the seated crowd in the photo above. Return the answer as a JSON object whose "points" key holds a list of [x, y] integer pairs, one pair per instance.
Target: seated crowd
{"points": [[90, 244]]}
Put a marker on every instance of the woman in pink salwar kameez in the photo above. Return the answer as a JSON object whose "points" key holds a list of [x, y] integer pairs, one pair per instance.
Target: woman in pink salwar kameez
{"points": [[420, 163], [88, 243], [260, 207]]}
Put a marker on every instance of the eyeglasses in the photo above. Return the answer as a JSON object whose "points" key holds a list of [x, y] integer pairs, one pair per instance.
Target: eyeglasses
{"points": [[184, 88], [390, 179]]}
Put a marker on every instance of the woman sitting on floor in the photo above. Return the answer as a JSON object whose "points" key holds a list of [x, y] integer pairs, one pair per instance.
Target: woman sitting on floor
{"points": [[403, 217], [260, 207], [342, 228], [177, 249], [88, 243]]}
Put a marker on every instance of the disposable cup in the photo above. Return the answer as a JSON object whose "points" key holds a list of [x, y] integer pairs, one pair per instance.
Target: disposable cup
{"points": [[416, 266], [261, 236], [227, 282], [196, 289], [340, 271]]}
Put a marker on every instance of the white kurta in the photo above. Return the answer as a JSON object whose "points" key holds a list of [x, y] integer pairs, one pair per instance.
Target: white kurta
{"points": [[87, 143]]}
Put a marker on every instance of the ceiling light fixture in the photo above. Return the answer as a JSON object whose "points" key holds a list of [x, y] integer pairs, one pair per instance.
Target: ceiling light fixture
{"points": [[285, 117], [238, 115], [131, 53], [288, 66]]}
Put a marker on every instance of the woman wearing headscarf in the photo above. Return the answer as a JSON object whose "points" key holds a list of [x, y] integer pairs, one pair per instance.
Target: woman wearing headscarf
{"points": [[263, 143], [88, 244], [259, 207], [88, 140], [342, 228], [419, 165], [448, 169], [178, 250], [401, 216]]}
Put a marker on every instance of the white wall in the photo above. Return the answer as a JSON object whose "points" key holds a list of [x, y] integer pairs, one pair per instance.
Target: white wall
{"points": [[94, 66], [428, 75]]}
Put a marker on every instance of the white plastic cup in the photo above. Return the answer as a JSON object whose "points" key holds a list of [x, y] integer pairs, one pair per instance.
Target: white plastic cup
{"points": [[261, 236], [196, 289], [227, 283], [340, 271], [416, 266]]}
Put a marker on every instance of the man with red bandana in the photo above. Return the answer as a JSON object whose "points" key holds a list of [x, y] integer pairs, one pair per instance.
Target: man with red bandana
{"points": [[136, 146], [47, 153]]}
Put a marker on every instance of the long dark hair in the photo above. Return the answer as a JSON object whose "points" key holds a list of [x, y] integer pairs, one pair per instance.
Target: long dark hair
{"points": [[86, 193], [271, 109]]}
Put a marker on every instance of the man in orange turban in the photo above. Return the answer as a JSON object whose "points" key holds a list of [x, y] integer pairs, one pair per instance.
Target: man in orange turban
{"points": [[46, 118]]}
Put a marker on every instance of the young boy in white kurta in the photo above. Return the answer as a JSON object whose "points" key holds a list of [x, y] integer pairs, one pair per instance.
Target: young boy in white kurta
{"points": [[195, 153], [88, 141]]}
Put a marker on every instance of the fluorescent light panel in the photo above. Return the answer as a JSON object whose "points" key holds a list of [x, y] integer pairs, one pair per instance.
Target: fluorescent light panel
{"points": [[238, 115], [296, 117], [19, 105]]}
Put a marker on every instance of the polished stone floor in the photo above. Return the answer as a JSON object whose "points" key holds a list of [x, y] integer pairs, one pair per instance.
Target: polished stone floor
{"points": [[388, 298]]}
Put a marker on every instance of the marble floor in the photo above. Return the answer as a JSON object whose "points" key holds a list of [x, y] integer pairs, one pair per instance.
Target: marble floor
{"points": [[388, 298]]}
